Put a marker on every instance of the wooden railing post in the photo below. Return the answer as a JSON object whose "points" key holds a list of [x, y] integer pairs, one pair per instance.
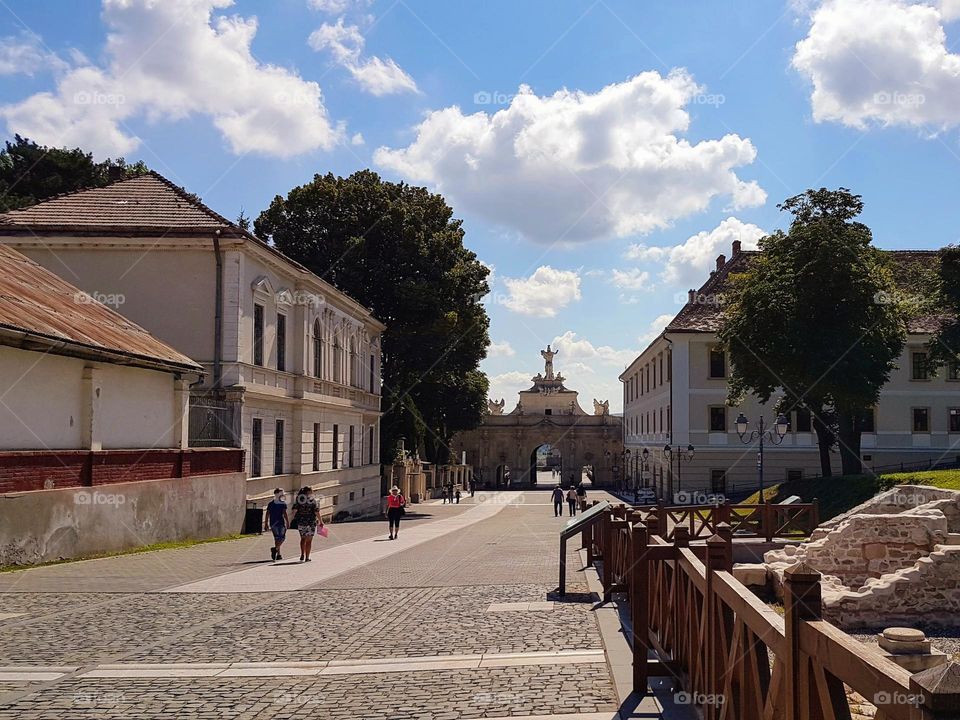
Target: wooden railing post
{"points": [[606, 548], [801, 602], [681, 536], [652, 522], [725, 532], [938, 691], [767, 515], [715, 665], [639, 606]]}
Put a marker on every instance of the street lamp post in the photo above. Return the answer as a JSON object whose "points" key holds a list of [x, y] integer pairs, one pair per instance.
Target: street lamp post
{"points": [[762, 433], [682, 455], [644, 456]]}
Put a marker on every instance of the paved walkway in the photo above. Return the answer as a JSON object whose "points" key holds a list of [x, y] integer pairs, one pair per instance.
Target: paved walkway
{"points": [[457, 619]]}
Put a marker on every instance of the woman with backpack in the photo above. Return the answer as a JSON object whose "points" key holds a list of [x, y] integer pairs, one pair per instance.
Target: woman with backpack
{"points": [[396, 507]]}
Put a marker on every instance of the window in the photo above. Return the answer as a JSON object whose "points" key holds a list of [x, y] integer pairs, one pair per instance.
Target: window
{"points": [[953, 370], [869, 421], [669, 366], [258, 334], [794, 475], [921, 420], [370, 447], [350, 448], [803, 420], [354, 380], [317, 349], [337, 361], [954, 419], [352, 495], [281, 342], [278, 449], [336, 500], [372, 366], [919, 366], [336, 446], [718, 481], [718, 363], [718, 418], [316, 447], [256, 449]]}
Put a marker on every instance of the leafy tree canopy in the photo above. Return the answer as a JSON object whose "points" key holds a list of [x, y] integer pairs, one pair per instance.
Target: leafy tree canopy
{"points": [[398, 250], [817, 317], [30, 172]]}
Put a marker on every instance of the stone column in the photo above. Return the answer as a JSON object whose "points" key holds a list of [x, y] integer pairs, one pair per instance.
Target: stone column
{"points": [[181, 414], [91, 389]]}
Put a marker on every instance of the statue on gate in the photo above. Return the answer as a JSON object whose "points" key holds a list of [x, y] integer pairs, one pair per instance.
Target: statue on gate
{"points": [[548, 356], [601, 408], [494, 407]]}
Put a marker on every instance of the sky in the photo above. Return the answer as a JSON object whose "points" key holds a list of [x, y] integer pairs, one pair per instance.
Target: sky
{"points": [[601, 154]]}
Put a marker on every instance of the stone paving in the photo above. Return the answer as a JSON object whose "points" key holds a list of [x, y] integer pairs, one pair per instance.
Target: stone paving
{"points": [[431, 600]]}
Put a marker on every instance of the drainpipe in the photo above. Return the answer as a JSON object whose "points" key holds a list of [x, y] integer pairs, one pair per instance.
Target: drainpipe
{"points": [[218, 314]]}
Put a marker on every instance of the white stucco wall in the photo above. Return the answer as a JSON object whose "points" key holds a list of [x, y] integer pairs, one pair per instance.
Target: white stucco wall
{"points": [[44, 401]]}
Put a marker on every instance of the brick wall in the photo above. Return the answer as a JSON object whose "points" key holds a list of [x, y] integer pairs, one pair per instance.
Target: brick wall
{"points": [[43, 470]]}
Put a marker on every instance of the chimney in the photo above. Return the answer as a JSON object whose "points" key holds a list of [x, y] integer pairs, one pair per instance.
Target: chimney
{"points": [[691, 295], [115, 173], [736, 247], [721, 259]]}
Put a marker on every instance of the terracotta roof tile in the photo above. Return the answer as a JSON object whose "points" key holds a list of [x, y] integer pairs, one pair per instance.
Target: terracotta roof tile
{"points": [[51, 311], [147, 203], [703, 311]]}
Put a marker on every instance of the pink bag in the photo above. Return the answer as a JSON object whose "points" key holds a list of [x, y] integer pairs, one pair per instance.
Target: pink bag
{"points": [[322, 531]]}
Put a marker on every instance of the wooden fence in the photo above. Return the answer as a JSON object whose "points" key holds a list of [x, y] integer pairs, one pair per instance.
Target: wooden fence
{"points": [[731, 655], [748, 520]]}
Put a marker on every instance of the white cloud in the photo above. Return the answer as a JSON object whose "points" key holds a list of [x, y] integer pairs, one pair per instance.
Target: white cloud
{"points": [[507, 385], [655, 328], [572, 348], [335, 7], [500, 349], [633, 279], [374, 75], [883, 62], [168, 61], [688, 264], [357, 139], [25, 55], [542, 294], [579, 166]]}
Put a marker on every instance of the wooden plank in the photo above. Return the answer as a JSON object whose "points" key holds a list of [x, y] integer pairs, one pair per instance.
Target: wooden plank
{"points": [[762, 620]]}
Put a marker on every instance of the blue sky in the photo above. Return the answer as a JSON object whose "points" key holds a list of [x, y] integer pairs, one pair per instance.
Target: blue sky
{"points": [[600, 153]]}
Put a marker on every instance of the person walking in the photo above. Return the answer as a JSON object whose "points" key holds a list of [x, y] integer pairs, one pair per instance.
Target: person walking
{"points": [[458, 494], [444, 494], [557, 496], [396, 507], [277, 521], [572, 501], [582, 496], [306, 517]]}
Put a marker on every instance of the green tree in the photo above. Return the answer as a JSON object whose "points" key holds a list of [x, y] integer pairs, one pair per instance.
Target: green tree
{"points": [[30, 172], [398, 250], [944, 295], [817, 317]]}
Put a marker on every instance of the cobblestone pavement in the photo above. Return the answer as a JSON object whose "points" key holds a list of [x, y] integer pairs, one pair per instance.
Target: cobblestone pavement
{"points": [[432, 600]]}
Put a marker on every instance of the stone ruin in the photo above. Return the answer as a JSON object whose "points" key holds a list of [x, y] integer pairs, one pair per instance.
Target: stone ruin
{"points": [[895, 559]]}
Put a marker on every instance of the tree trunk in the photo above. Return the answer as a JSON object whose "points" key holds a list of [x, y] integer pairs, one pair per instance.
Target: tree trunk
{"points": [[850, 423], [824, 443]]}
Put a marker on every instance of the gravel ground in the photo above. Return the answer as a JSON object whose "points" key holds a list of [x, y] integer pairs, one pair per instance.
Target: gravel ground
{"points": [[946, 640]]}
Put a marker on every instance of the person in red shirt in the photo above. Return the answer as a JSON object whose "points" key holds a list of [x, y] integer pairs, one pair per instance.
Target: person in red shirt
{"points": [[396, 504]]}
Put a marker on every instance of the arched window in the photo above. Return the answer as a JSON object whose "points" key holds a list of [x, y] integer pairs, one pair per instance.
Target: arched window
{"points": [[337, 361], [317, 349], [353, 362]]}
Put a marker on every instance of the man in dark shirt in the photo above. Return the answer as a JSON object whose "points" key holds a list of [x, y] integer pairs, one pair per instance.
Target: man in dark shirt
{"points": [[278, 522]]}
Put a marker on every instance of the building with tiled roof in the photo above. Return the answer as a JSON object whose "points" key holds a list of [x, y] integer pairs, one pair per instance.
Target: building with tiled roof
{"points": [[674, 395], [291, 364]]}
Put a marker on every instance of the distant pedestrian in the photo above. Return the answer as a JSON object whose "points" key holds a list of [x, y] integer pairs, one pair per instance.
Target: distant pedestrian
{"points": [[557, 496], [277, 521], [473, 487], [582, 496], [458, 495], [572, 501], [396, 507], [444, 492], [306, 517]]}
